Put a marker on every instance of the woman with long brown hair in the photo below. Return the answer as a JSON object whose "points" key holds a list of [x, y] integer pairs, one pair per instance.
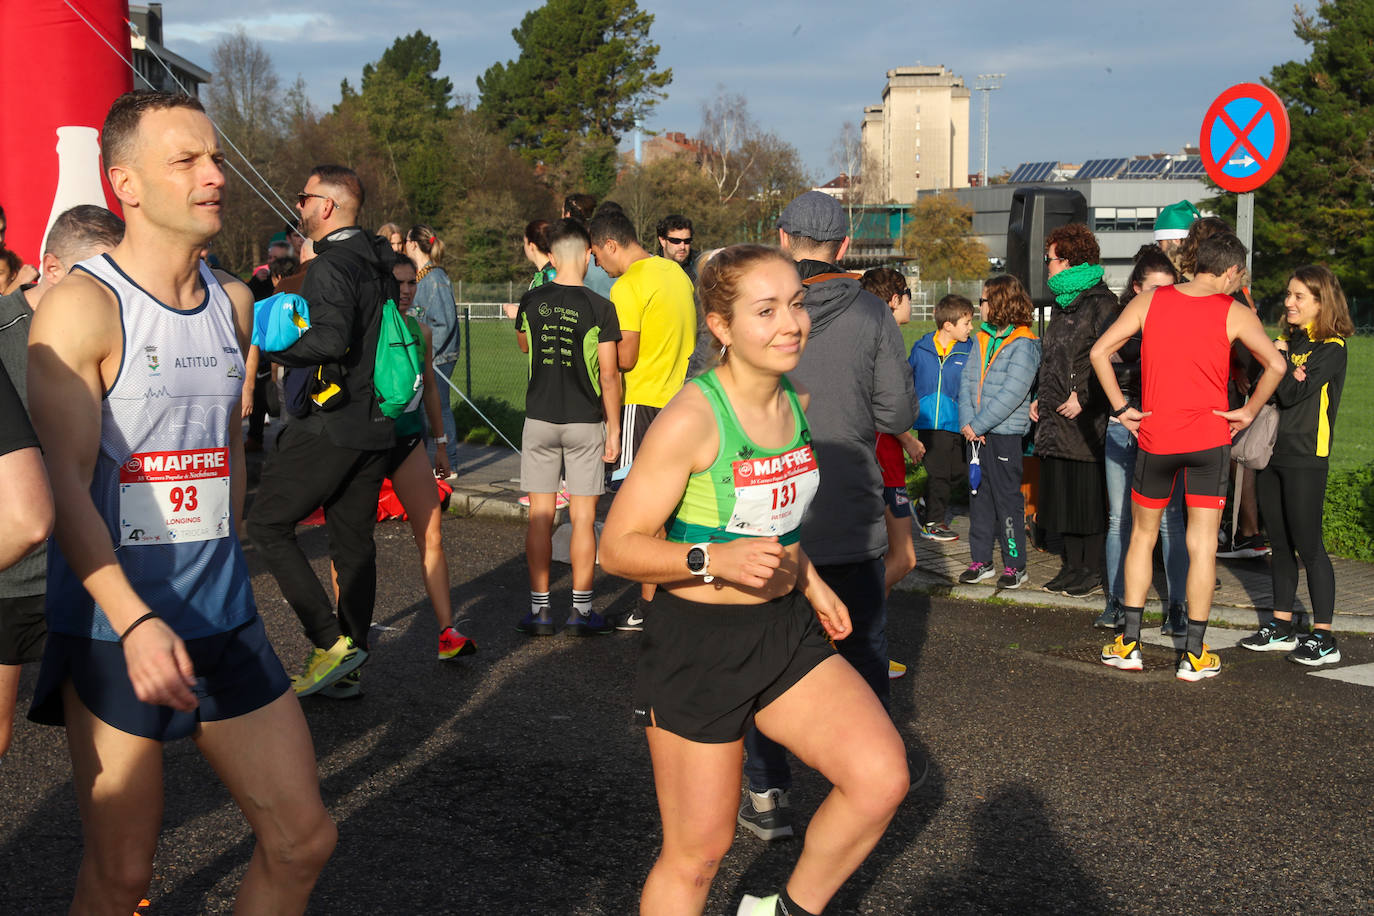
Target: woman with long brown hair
{"points": [[1292, 487]]}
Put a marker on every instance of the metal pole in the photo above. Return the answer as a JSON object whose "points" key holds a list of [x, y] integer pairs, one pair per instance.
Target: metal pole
{"points": [[467, 345], [1245, 226]]}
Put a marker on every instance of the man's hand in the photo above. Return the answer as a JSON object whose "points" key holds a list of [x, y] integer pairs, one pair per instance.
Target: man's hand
{"points": [[1035, 411], [441, 468], [1130, 418], [249, 384], [159, 668], [1237, 419], [1070, 408], [612, 450], [750, 562]]}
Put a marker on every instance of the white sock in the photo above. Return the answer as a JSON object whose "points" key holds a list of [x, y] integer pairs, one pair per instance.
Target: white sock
{"points": [[582, 601], [539, 601]]}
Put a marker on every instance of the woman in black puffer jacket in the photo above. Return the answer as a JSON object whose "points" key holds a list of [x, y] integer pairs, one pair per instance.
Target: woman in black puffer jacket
{"points": [[1072, 412]]}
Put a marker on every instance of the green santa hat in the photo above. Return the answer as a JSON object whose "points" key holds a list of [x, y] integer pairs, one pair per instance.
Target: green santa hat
{"points": [[1174, 221]]}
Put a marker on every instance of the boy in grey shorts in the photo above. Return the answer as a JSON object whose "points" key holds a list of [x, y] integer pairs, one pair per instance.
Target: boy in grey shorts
{"points": [[570, 335]]}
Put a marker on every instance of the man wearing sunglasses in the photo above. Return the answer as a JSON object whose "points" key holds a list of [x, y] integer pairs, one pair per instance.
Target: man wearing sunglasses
{"points": [[334, 454], [675, 241]]}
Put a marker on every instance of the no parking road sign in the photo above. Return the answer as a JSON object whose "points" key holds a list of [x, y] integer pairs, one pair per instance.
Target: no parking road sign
{"points": [[1244, 137]]}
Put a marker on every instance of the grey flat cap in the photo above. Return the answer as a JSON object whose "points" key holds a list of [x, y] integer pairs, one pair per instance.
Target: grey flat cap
{"points": [[815, 215]]}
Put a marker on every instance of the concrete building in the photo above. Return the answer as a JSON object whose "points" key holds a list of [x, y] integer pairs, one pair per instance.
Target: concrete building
{"points": [[1121, 212], [146, 41], [918, 138]]}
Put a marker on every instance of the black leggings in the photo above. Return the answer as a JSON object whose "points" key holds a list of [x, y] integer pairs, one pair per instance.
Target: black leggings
{"points": [[1290, 502]]}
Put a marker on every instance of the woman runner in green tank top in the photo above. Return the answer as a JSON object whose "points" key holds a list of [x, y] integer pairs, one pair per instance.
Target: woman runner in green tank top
{"points": [[732, 639]]}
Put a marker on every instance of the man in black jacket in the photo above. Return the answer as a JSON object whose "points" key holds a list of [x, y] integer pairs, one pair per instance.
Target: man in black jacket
{"points": [[335, 455]]}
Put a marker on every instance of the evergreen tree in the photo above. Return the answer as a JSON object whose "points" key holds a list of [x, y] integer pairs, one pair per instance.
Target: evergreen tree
{"points": [[1319, 207], [586, 68]]}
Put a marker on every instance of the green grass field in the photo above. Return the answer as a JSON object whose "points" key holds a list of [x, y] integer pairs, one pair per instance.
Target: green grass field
{"points": [[499, 369]]}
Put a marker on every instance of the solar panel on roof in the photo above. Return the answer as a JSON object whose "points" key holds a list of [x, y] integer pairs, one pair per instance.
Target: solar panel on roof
{"points": [[1033, 171], [1188, 168], [1146, 168], [1100, 168]]}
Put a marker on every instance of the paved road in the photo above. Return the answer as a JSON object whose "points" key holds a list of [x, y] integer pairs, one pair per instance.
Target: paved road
{"points": [[512, 782]]}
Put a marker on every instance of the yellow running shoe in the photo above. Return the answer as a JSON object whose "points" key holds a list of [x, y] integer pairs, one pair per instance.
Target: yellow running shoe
{"points": [[1123, 655], [895, 670], [1196, 667], [325, 666]]}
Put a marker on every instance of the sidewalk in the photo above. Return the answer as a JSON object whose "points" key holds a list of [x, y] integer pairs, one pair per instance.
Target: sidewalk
{"points": [[488, 484]]}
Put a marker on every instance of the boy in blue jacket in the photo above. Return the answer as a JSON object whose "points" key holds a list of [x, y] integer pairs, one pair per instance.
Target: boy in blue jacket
{"points": [[937, 365]]}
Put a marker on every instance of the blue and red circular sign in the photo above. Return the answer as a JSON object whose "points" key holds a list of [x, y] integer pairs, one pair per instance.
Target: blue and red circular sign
{"points": [[1244, 137]]}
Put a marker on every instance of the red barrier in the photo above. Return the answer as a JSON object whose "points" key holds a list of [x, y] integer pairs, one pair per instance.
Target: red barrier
{"points": [[58, 77]]}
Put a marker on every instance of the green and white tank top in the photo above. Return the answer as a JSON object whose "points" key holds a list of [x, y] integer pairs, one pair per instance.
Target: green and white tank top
{"points": [[748, 491]]}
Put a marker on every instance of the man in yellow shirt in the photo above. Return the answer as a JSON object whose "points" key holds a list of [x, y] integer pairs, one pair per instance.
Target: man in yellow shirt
{"points": [[658, 322]]}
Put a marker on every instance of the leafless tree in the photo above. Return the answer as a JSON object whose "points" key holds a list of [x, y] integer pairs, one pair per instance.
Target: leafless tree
{"points": [[726, 129]]}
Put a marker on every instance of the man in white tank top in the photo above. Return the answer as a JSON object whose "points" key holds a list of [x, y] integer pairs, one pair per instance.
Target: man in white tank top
{"points": [[135, 363]]}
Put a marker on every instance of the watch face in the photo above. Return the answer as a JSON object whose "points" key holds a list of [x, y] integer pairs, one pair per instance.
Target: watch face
{"points": [[696, 559]]}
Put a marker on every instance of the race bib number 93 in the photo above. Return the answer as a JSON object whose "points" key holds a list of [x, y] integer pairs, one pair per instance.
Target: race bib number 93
{"points": [[174, 497]]}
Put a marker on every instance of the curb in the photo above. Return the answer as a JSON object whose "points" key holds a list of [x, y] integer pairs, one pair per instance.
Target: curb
{"points": [[1247, 618], [469, 503]]}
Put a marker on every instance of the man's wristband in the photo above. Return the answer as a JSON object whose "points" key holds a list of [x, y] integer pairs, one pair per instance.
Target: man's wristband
{"points": [[1120, 410], [131, 627]]}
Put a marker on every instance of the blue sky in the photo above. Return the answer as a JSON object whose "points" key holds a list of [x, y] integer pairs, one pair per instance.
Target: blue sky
{"points": [[1089, 79]]}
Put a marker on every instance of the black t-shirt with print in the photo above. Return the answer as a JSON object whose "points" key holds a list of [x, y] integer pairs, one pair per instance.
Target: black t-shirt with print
{"points": [[563, 325]]}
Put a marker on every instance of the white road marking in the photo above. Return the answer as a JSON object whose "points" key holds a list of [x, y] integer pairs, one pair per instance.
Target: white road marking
{"points": [[1351, 674]]}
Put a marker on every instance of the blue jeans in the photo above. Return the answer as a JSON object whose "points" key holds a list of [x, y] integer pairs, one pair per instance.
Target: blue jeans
{"points": [[1120, 453], [445, 415], [860, 587]]}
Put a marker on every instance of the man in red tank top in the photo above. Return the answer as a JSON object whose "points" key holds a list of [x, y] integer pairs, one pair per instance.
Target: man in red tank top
{"points": [[1184, 429]]}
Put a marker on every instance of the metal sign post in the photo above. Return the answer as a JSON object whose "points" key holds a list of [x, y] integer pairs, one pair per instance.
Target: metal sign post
{"points": [[1245, 227]]}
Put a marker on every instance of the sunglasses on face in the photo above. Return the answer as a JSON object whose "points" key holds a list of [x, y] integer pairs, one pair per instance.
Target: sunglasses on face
{"points": [[302, 197], [686, 241], [1048, 259]]}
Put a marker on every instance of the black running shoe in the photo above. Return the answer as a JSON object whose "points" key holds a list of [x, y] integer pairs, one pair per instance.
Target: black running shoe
{"points": [[1061, 578], [1317, 648], [1271, 638], [1083, 585], [766, 814]]}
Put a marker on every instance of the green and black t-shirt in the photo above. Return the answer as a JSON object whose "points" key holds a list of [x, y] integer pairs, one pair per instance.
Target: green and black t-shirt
{"points": [[564, 324]]}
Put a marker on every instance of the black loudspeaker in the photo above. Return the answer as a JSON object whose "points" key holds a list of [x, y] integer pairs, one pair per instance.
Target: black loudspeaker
{"points": [[1035, 212]]}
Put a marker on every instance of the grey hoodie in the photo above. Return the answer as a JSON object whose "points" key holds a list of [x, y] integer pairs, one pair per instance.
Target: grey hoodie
{"points": [[855, 368]]}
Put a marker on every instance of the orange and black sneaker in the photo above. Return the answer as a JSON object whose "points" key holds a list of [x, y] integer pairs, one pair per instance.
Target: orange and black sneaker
{"points": [[1123, 655], [453, 644], [1196, 667]]}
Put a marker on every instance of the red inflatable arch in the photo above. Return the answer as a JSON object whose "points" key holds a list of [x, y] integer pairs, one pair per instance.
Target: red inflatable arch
{"points": [[58, 75]]}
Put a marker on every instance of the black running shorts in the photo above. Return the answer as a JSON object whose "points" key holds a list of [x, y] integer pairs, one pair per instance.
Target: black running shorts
{"points": [[236, 673], [1205, 475], [22, 628], [705, 669]]}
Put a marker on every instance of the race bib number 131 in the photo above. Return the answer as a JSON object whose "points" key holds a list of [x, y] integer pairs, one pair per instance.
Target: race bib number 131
{"points": [[174, 497]]}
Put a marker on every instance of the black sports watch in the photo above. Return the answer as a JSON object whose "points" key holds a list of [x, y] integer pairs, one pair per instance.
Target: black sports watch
{"points": [[699, 560]]}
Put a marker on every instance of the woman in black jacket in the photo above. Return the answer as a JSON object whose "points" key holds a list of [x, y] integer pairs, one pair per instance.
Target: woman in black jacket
{"points": [[1292, 487], [1072, 412]]}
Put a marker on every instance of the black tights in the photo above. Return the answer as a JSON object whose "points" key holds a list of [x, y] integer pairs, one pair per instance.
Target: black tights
{"points": [[1290, 501], [1084, 551]]}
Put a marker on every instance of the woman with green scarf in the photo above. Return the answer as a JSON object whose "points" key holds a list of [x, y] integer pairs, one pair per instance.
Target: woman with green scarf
{"points": [[1072, 412]]}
